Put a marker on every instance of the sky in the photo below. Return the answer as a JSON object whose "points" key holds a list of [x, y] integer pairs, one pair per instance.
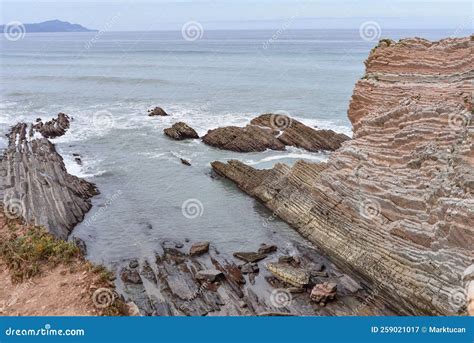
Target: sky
{"points": [[143, 15]]}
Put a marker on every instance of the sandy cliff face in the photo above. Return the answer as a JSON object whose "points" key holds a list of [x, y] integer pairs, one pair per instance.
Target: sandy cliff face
{"points": [[394, 205]]}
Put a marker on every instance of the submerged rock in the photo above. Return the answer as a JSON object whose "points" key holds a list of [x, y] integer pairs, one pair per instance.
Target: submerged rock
{"points": [[180, 131], [267, 249], [185, 162]]}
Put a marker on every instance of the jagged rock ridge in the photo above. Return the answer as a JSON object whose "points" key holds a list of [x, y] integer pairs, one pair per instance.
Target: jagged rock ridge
{"points": [[394, 205], [34, 182]]}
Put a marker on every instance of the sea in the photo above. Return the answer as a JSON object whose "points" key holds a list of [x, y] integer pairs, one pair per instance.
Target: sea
{"points": [[107, 81]]}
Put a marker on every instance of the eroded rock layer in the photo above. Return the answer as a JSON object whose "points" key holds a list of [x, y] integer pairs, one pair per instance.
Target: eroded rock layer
{"points": [[394, 205], [275, 132], [35, 184]]}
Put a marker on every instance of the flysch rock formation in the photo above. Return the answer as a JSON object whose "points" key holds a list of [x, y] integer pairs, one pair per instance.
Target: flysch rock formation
{"points": [[181, 280], [34, 182], [273, 131], [394, 205]]}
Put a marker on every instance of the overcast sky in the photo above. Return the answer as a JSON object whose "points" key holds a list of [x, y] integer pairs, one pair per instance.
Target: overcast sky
{"points": [[127, 15]]}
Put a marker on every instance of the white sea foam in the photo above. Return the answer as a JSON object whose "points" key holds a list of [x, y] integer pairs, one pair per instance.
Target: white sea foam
{"points": [[88, 169], [290, 153]]}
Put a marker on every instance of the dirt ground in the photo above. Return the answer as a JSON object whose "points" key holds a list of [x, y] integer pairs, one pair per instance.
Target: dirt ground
{"points": [[72, 288]]}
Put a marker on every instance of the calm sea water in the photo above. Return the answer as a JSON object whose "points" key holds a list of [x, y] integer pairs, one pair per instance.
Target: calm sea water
{"points": [[107, 81]]}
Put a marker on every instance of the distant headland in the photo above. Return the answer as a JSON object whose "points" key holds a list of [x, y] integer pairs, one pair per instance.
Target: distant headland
{"points": [[52, 26]]}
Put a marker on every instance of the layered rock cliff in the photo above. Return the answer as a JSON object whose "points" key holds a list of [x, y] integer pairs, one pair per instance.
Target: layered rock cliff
{"points": [[34, 182], [394, 205]]}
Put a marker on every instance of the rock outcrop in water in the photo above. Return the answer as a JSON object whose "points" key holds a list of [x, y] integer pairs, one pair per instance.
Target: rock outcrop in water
{"points": [[394, 205], [275, 132], [294, 133], [180, 131], [35, 184], [157, 111], [56, 127]]}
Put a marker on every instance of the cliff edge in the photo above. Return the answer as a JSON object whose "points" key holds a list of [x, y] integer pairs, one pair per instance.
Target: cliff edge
{"points": [[393, 205]]}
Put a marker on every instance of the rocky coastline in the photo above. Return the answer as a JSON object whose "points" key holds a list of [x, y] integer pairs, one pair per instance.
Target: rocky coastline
{"points": [[394, 205], [388, 218]]}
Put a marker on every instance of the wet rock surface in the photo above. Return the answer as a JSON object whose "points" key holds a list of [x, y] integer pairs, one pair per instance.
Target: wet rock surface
{"points": [[173, 283], [157, 111], [394, 204], [243, 139], [275, 132], [199, 248], [180, 131], [294, 133], [34, 182], [56, 127]]}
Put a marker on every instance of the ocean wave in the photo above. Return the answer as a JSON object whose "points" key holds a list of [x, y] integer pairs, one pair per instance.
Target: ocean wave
{"points": [[86, 170], [97, 78]]}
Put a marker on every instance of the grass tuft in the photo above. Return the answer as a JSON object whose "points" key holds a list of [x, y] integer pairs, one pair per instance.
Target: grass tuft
{"points": [[26, 255]]}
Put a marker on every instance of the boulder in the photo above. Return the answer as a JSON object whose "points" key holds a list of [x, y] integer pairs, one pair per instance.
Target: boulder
{"points": [[294, 276], [323, 292], [199, 248], [180, 131], [157, 111]]}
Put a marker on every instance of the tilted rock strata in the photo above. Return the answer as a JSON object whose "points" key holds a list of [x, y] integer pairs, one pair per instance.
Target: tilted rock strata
{"points": [[243, 139], [35, 184], [275, 132], [294, 133], [395, 204]]}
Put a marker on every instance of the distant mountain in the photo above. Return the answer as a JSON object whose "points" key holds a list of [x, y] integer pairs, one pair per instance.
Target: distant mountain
{"points": [[52, 26]]}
